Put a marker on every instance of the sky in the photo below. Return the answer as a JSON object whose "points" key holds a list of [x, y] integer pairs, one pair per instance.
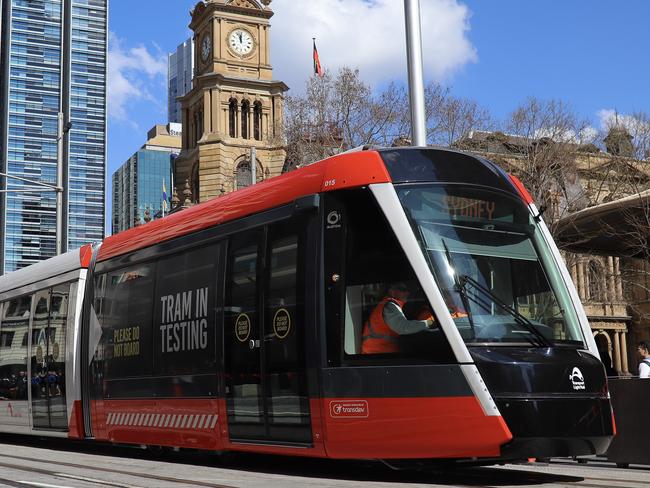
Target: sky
{"points": [[589, 53]]}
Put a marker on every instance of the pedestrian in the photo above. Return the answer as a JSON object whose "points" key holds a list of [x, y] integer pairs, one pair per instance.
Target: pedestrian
{"points": [[644, 366], [387, 322]]}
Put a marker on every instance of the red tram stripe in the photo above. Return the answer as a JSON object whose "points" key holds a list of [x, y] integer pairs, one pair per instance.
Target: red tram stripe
{"points": [[342, 171], [525, 195], [85, 255], [403, 428], [452, 427]]}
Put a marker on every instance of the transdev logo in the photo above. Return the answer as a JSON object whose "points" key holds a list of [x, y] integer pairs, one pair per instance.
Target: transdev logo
{"points": [[577, 379], [348, 409]]}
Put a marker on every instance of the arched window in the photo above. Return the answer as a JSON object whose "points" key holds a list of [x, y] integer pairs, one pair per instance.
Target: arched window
{"points": [[243, 175], [596, 276], [257, 121], [232, 118], [245, 114]]}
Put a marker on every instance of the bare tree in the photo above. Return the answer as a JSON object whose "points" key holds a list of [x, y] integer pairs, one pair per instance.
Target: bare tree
{"points": [[340, 112], [452, 118], [550, 138]]}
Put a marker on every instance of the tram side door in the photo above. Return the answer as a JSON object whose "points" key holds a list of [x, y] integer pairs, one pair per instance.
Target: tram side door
{"points": [[264, 333], [47, 371]]}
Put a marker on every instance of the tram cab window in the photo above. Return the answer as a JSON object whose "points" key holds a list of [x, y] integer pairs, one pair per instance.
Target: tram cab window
{"points": [[374, 264], [502, 268]]}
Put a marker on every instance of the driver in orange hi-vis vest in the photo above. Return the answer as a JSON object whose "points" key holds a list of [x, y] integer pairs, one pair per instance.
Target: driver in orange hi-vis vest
{"points": [[387, 322]]}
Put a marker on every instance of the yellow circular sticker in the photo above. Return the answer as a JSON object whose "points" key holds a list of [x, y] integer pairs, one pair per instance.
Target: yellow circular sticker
{"points": [[242, 327], [282, 323], [55, 351]]}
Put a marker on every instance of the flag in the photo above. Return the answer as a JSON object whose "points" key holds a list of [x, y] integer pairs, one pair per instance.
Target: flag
{"points": [[318, 70], [164, 198]]}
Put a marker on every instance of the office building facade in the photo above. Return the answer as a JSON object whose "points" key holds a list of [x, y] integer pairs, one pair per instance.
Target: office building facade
{"points": [[52, 61], [138, 184], [180, 69]]}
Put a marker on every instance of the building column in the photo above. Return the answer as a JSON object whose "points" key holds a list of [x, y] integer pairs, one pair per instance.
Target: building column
{"points": [[585, 276], [216, 26], [617, 353], [207, 119], [574, 272], [185, 135], [580, 282], [612, 296], [214, 111], [238, 119], [624, 352], [619, 278]]}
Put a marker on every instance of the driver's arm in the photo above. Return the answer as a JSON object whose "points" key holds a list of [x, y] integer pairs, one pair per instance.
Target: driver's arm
{"points": [[396, 320]]}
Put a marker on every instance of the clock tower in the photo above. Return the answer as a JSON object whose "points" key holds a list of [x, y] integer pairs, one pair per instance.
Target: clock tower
{"points": [[234, 106]]}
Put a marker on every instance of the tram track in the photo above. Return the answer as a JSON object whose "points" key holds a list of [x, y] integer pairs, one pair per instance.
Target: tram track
{"points": [[135, 474], [486, 477]]}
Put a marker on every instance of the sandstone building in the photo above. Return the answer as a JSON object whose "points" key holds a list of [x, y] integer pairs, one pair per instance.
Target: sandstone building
{"points": [[234, 105]]}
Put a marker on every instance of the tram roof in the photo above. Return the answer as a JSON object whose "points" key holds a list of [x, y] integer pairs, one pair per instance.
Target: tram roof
{"points": [[346, 170], [58, 265]]}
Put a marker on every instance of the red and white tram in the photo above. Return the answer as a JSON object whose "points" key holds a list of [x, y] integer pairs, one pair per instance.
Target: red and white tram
{"points": [[238, 324]]}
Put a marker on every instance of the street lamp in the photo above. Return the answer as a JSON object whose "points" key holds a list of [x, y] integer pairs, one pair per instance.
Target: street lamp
{"points": [[61, 243], [415, 71]]}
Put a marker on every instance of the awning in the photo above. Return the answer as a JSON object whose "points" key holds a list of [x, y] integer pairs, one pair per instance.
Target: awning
{"points": [[617, 228]]}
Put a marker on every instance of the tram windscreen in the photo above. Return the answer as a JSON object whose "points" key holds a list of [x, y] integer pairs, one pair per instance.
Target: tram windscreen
{"points": [[494, 269]]}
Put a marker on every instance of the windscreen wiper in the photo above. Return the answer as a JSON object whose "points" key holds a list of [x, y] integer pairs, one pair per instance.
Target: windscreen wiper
{"points": [[519, 318], [459, 288]]}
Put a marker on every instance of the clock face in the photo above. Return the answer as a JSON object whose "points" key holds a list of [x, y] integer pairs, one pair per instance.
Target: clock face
{"points": [[206, 47], [241, 42]]}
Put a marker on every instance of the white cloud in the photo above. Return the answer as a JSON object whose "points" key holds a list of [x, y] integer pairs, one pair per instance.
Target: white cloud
{"points": [[586, 135], [610, 117], [131, 73], [369, 35]]}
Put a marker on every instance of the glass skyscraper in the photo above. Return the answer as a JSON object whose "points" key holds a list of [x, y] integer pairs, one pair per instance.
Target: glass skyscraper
{"points": [[138, 184], [180, 70], [52, 60]]}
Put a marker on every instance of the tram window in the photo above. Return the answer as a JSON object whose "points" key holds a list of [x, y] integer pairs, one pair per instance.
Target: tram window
{"points": [[374, 263], [6, 338], [184, 314], [284, 327], [13, 357], [125, 320], [56, 337], [241, 329]]}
